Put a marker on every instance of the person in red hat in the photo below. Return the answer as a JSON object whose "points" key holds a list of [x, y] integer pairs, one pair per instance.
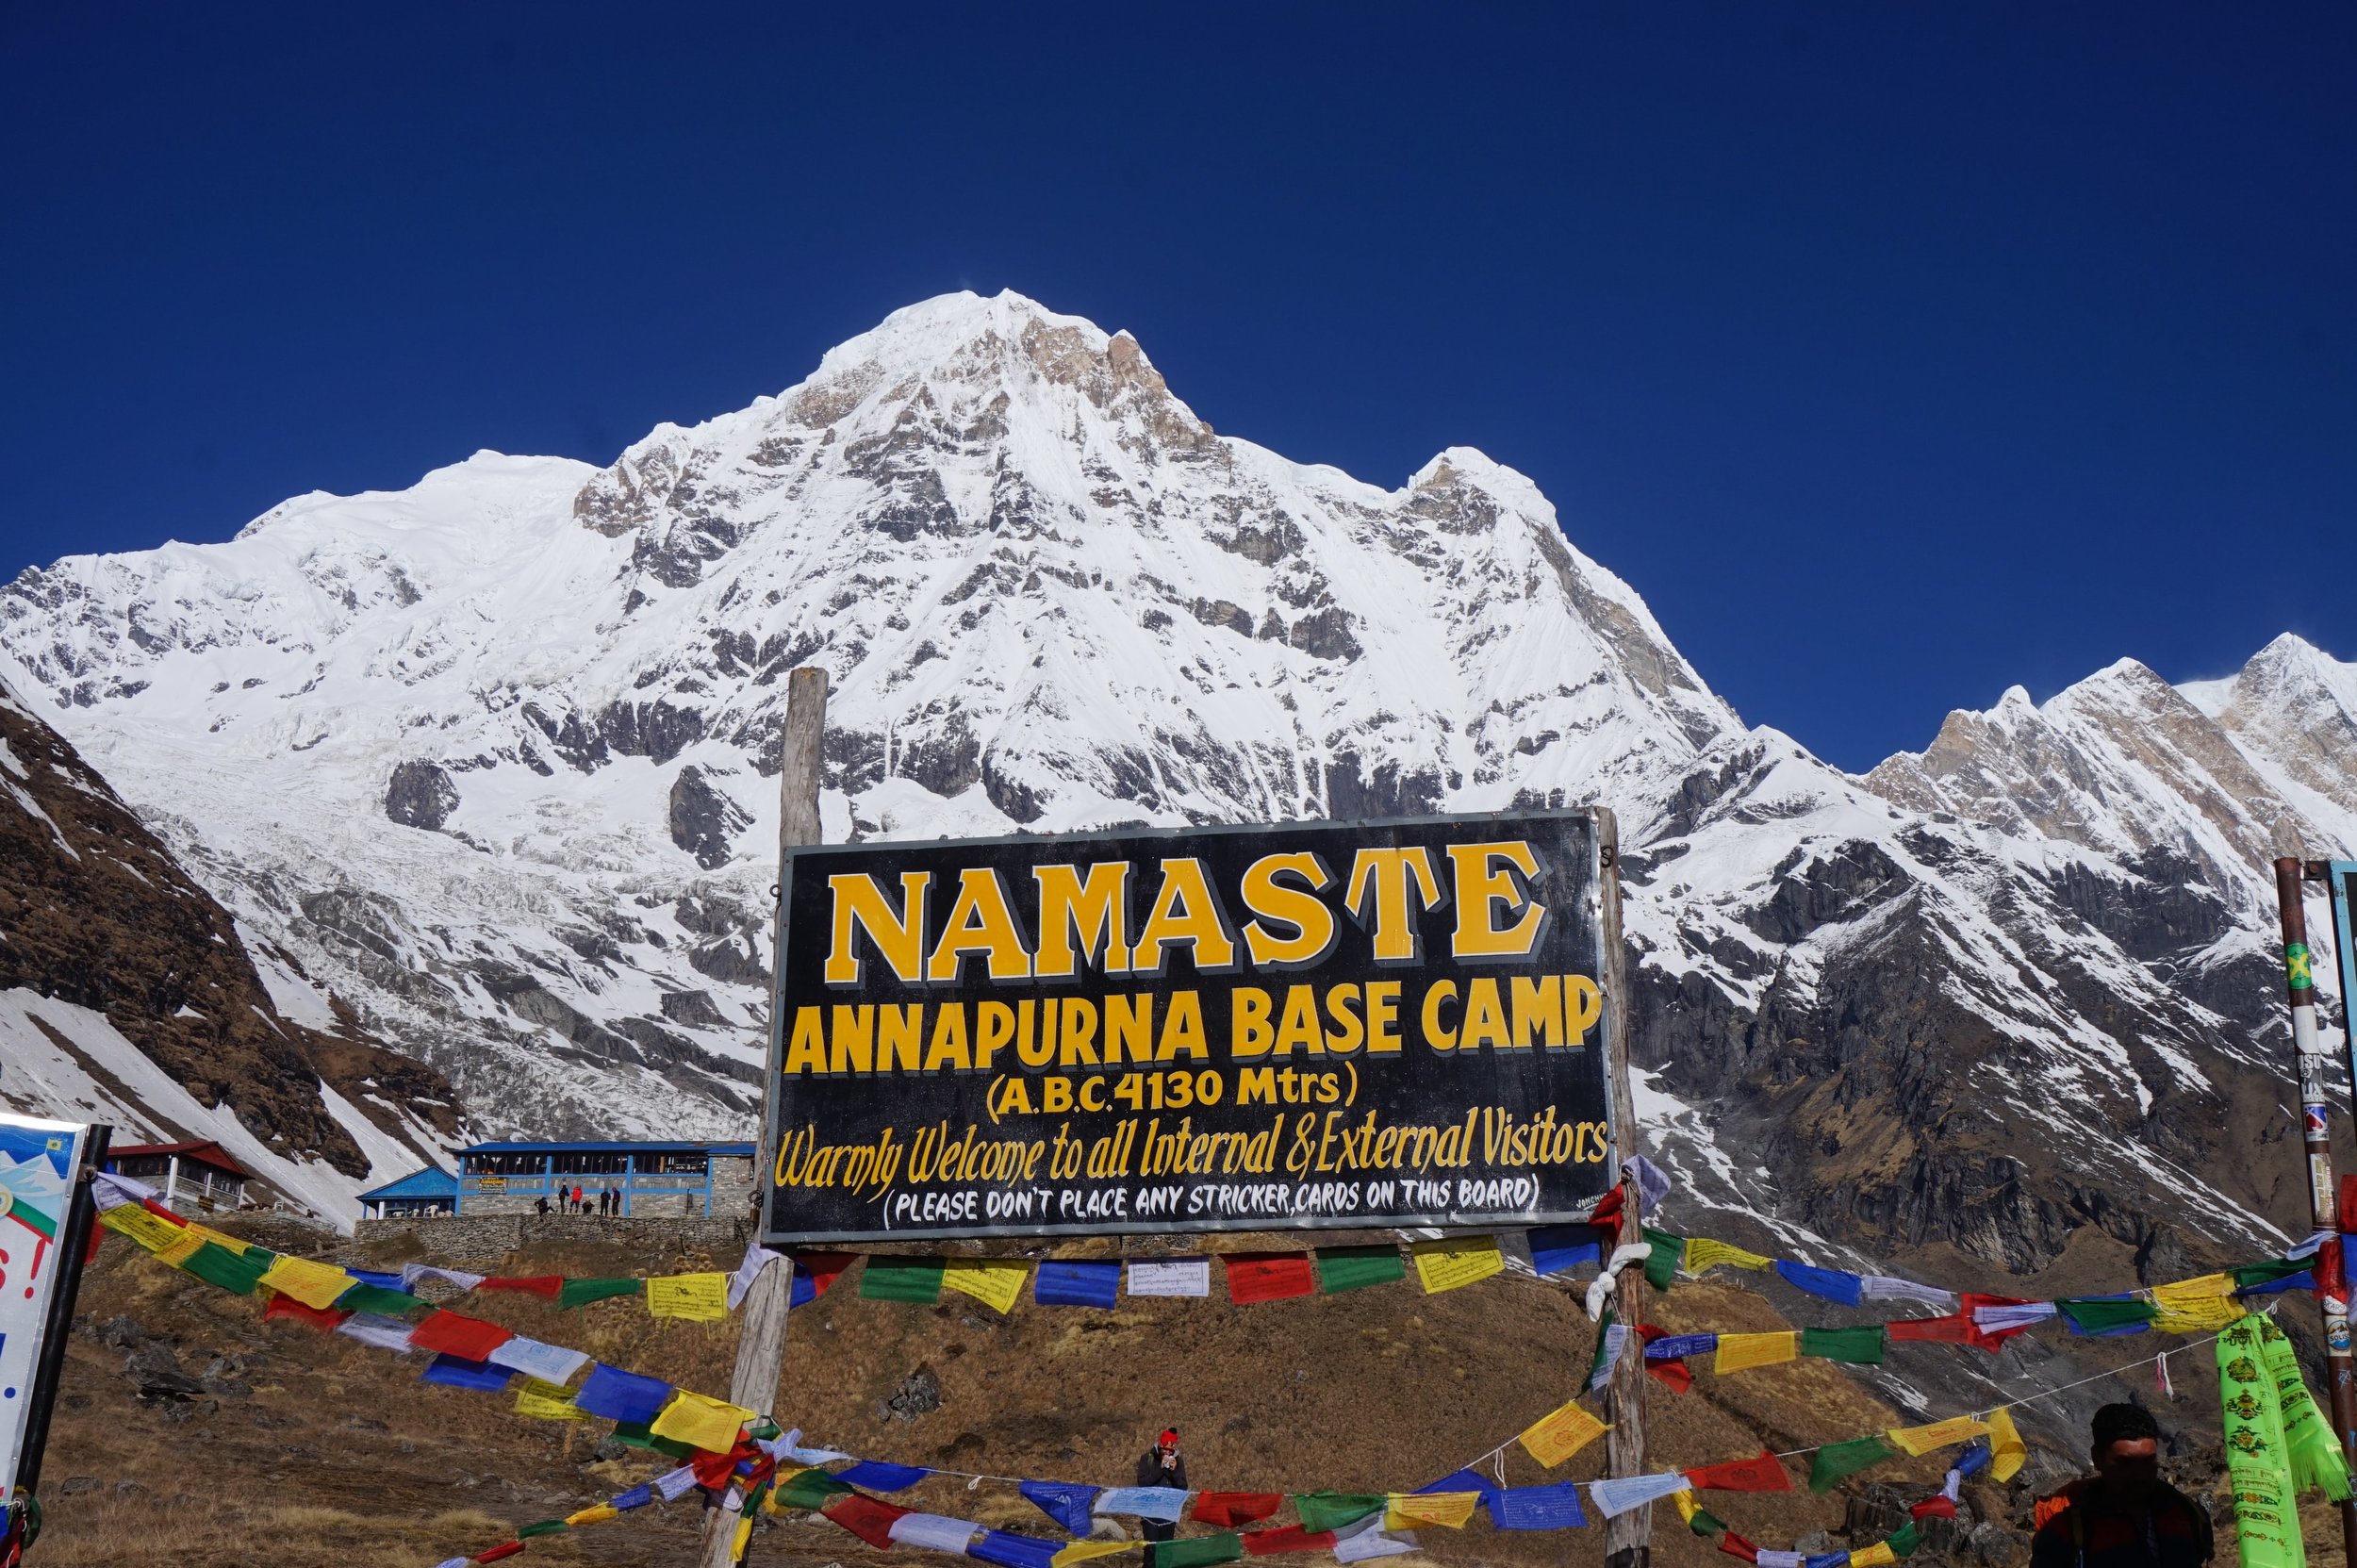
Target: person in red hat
{"points": [[1161, 1466]]}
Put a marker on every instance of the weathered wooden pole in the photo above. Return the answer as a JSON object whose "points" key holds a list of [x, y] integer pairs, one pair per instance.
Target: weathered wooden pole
{"points": [[2315, 1112], [761, 1321], [1627, 1537]]}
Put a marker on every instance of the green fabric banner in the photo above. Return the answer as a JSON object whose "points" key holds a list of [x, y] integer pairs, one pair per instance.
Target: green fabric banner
{"points": [[901, 1279], [546, 1527], [1200, 1554], [1349, 1268], [1836, 1462], [809, 1491], [2273, 1269], [1861, 1346], [232, 1271], [1707, 1524], [1661, 1264], [635, 1434], [2317, 1460], [1331, 1511], [2095, 1315], [2266, 1514], [580, 1292], [1903, 1539], [365, 1297]]}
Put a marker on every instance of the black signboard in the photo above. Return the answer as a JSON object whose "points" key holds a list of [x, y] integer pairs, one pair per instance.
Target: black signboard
{"points": [[1218, 1028]]}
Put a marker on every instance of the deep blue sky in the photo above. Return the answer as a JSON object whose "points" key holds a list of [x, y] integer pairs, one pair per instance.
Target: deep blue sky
{"points": [[1896, 353]]}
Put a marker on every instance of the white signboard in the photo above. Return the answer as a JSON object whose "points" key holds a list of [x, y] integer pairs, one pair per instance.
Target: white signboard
{"points": [[37, 1159]]}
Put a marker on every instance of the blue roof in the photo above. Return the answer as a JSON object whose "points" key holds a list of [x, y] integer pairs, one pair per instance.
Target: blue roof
{"points": [[682, 1146], [433, 1181]]}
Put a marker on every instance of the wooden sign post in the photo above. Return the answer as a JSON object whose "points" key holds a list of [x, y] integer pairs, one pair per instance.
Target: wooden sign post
{"points": [[761, 1325], [1627, 1537]]}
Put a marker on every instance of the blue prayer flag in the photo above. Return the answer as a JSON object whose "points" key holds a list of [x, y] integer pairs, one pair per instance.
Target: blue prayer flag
{"points": [[637, 1496], [1831, 1283], [1536, 1507], [1462, 1481], [2304, 1280], [1161, 1503], [458, 1372], [1012, 1550], [1077, 1284], [382, 1281], [1829, 1560], [1972, 1458], [1067, 1504], [1671, 1347], [875, 1475], [1559, 1247], [622, 1396]]}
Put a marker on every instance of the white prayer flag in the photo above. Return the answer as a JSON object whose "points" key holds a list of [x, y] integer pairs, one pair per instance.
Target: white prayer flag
{"points": [[933, 1531], [550, 1363], [1165, 1503], [1619, 1497], [112, 1192], [674, 1484], [1372, 1544], [385, 1333], [1781, 1559], [1170, 1277], [1881, 1287], [412, 1273], [757, 1258]]}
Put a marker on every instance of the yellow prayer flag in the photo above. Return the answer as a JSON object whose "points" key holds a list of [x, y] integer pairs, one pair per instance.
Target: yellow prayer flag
{"points": [[745, 1534], [1449, 1510], [1703, 1253], [316, 1286], [2196, 1306], [595, 1515], [1080, 1551], [1935, 1434], [183, 1246], [702, 1296], [701, 1421], [218, 1239], [1444, 1265], [1688, 1508], [1877, 1556], [1555, 1437], [129, 1219], [2006, 1451], [548, 1401], [2207, 1284], [994, 1282], [1739, 1351]]}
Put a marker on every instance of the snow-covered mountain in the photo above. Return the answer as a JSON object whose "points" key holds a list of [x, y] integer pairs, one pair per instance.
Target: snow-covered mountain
{"points": [[492, 760]]}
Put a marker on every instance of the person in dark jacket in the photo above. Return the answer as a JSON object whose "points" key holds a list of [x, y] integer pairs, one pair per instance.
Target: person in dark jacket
{"points": [[1161, 1466], [2124, 1515]]}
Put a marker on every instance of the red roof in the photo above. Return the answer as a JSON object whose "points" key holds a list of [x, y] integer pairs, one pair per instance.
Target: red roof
{"points": [[204, 1151]]}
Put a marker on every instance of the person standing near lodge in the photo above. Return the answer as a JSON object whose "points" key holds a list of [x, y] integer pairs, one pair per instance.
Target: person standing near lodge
{"points": [[1161, 1466], [2124, 1515]]}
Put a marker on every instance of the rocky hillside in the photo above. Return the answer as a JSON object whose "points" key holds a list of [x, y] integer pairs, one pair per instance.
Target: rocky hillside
{"points": [[128, 995], [492, 758]]}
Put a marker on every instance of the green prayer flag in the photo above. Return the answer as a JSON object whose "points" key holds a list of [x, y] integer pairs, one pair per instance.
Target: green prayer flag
{"points": [[1837, 1461], [2091, 1315], [809, 1491], [752, 1498], [1198, 1554], [1903, 1539], [1707, 1524], [1861, 1346], [888, 1279], [2316, 1460], [1348, 1268], [1661, 1265], [546, 1527], [232, 1271], [580, 1292], [1604, 1343], [2273, 1269], [1331, 1511], [635, 1434], [365, 1297], [2258, 1469]]}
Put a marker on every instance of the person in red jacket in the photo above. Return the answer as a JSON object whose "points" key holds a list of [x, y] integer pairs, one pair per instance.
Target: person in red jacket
{"points": [[2124, 1515]]}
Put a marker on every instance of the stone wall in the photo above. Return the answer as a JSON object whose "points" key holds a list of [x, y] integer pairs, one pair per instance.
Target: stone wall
{"points": [[482, 1241]]}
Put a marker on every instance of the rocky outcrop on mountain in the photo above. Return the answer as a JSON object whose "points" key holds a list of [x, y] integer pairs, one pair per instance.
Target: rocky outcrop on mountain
{"points": [[95, 913], [1999, 1004]]}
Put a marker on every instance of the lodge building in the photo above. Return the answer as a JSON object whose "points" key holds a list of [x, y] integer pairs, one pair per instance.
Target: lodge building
{"points": [[199, 1175], [664, 1179]]}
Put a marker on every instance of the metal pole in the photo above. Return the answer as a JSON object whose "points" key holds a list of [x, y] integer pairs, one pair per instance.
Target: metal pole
{"points": [[1627, 1537], [761, 1324], [2315, 1121], [73, 1245]]}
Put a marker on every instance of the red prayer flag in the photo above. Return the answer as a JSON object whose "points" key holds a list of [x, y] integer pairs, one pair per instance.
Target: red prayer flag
{"points": [[540, 1284], [1762, 1472], [160, 1211], [1269, 1276], [866, 1517], [1955, 1328], [504, 1549], [2332, 1269], [1292, 1537], [1734, 1545], [89, 1251], [2348, 1203], [1988, 1339], [713, 1470], [1236, 1507], [1942, 1507], [452, 1334], [821, 1268], [286, 1306]]}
